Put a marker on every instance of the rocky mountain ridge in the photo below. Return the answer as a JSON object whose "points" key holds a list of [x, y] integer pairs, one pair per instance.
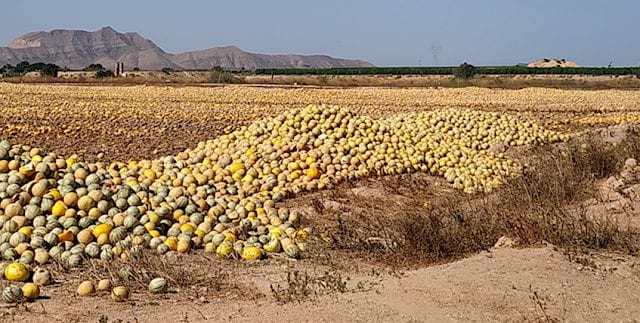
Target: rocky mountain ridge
{"points": [[76, 49]]}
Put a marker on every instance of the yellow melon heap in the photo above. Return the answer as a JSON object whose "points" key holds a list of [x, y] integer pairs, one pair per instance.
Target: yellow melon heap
{"points": [[221, 195]]}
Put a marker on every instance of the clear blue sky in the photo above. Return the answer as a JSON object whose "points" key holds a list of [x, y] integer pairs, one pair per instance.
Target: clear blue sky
{"points": [[401, 32]]}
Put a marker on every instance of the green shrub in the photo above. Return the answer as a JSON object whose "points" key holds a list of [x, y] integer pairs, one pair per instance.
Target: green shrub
{"points": [[465, 71], [104, 73]]}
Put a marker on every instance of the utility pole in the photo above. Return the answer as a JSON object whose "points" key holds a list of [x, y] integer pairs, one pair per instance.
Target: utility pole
{"points": [[435, 52]]}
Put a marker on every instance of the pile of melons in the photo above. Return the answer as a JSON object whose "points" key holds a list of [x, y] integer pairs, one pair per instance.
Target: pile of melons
{"points": [[629, 117], [24, 284], [221, 196]]}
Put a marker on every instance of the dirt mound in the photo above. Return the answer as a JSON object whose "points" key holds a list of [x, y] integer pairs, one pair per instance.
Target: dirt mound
{"points": [[554, 62]]}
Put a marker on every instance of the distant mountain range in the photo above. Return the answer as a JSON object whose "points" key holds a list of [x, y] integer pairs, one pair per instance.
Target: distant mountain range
{"points": [[76, 49]]}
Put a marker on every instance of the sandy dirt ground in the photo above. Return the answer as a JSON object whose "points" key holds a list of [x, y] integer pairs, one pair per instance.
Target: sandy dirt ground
{"points": [[504, 284]]}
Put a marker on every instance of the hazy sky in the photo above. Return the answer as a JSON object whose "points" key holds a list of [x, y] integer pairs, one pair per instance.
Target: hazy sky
{"points": [[400, 32]]}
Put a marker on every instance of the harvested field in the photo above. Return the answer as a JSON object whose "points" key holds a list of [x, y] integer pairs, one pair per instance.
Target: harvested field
{"points": [[367, 205], [151, 121]]}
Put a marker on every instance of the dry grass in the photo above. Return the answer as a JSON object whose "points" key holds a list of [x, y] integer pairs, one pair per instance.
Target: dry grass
{"points": [[193, 276], [530, 209], [542, 312], [301, 286], [545, 204]]}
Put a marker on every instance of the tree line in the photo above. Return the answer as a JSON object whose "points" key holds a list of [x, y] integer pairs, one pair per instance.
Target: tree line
{"points": [[23, 68], [45, 69], [464, 70]]}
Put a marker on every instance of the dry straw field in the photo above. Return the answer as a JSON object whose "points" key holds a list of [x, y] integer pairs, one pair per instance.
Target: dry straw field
{"points": [[163, 201]]}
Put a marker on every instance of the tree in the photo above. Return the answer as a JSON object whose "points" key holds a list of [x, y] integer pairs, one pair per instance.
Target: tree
{"points": [[45, 69], [50, 70], [21, 68], [6, 69], [94, 67], [465, 71]]}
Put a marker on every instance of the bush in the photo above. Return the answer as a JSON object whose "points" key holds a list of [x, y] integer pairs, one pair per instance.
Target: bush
{"points": [[219, 75], [465, 71], [104, 73]]}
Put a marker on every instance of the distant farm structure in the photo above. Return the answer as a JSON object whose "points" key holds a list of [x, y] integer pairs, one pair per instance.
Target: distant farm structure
{"points": [[119, 69]]}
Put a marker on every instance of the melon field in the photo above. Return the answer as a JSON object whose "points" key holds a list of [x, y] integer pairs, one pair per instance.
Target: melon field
{"points": [[236, 203]]}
